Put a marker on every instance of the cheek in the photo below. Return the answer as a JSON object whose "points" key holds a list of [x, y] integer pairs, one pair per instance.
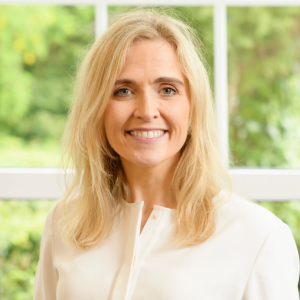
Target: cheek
{"points": [[108, 116], [179, 116], [116, 116], [113, 118], [185, 115], [185, 112]]}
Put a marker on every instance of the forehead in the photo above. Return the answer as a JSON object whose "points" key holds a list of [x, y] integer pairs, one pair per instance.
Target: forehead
{"points": [[152, 56]]}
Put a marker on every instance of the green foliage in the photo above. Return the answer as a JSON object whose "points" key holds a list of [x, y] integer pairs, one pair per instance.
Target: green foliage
{"points": [[264, 76], [17, 152], [39, 49], [21, 225], [40, 46]]}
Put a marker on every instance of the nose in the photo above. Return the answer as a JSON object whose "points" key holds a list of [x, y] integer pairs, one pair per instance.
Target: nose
{"points": [[146, 107]]}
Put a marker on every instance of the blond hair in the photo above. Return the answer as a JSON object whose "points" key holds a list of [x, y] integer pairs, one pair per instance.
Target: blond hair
{"points": [[93, 198]]}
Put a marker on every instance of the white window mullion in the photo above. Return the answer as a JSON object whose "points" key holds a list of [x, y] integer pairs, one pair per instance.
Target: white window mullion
{"points": [[259, 184], [101, 18], [267, 184], [48, 183], [220, 77]]}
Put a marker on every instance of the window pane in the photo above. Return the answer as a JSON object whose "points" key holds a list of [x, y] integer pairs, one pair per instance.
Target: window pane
{"points": [[264, 89], [39, 48], [21, 227]]}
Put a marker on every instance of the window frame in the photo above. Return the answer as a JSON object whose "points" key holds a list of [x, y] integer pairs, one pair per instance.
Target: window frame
{"points": [[266, 184]]}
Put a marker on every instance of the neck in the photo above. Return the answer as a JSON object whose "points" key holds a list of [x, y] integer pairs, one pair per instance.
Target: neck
{"points": [[151, 183]]}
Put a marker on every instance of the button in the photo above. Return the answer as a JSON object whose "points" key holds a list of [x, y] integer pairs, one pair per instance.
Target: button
{"points": [[156, 215]]}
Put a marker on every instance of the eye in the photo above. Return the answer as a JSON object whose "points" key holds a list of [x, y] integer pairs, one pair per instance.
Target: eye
{"points": [[168, 91], [122, 92]]}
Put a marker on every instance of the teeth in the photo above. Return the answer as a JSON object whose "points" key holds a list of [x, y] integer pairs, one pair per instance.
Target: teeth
{"points": [[147, 134]]}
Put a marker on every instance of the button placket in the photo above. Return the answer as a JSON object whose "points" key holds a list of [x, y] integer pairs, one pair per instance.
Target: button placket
{"points": [[156, 214], [124, 280], [148, 239]]}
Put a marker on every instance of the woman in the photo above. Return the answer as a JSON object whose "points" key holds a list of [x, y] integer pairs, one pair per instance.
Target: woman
{"points": [[150, 214]]}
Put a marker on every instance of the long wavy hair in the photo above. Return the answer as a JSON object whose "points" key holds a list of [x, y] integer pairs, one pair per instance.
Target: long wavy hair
{"points": [[95, 192]]}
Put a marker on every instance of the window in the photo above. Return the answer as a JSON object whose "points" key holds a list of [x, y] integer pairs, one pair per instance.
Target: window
{"points": [[254, 69]]}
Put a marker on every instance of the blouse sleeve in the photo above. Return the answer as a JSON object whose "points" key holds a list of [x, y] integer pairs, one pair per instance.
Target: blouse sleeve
{"points": [[275, 273], [46, 276]]}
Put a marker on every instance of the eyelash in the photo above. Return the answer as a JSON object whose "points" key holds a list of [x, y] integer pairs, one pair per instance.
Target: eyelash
{"points": [[116, 92], [171, 88], [166, 95]]}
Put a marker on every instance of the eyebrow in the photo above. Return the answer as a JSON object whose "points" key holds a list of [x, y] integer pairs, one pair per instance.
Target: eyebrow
{"points": [[160, 79]]}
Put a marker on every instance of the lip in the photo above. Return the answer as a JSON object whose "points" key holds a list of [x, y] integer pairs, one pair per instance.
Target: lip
{"points": [[145, 129], [145, 140]]}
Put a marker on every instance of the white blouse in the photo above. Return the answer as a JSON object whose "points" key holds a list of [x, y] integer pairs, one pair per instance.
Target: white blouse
{"points": [[251, 256]]}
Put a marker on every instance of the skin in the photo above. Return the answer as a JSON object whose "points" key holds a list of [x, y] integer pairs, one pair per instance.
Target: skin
{"points": [[148, 104]]}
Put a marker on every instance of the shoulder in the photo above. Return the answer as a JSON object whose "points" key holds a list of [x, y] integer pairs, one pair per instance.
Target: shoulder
{"points": [[53, 214], [246, 215], [53, 233], [243, 221], [251, 230], [51, 221]]}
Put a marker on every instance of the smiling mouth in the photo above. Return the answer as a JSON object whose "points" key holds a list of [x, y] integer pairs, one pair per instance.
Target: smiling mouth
{"points": [[147, 134]]}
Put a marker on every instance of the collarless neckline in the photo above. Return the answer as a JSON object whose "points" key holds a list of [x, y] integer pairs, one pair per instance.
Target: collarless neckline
{"points": [[154, 206]]}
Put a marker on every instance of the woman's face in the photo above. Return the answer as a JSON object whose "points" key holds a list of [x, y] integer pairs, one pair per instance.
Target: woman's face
{"points": [[146, 119]]}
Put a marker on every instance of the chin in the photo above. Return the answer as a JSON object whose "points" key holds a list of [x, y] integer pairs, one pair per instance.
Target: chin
{"points": [[145, 160]]}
